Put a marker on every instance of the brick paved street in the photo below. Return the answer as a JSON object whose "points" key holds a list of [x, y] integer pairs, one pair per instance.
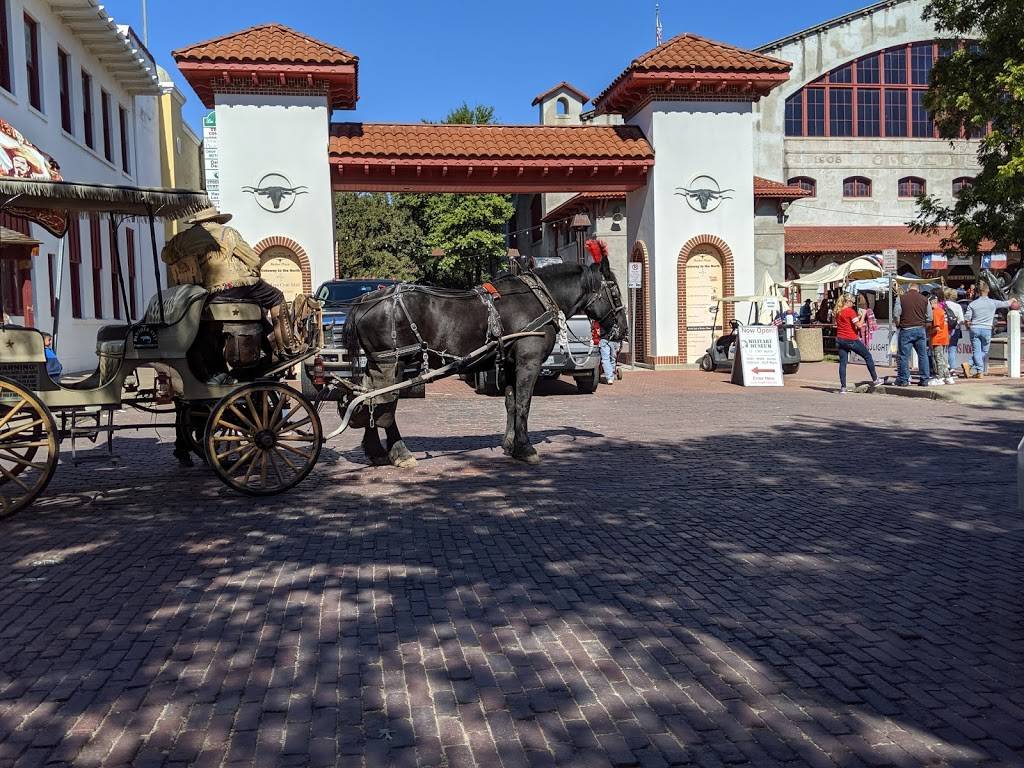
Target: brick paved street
{"points": [[696, 574]]}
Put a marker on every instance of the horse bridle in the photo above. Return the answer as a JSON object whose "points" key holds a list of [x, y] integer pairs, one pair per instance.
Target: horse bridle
{"points": [[614, 302]]}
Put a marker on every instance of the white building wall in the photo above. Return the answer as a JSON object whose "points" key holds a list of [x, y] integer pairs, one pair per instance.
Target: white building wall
{"points": [[79, 163], [288, 135], [690, 139]]}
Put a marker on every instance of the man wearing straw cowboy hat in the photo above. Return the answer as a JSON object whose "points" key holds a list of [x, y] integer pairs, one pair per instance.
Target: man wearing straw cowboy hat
{"points": [[216, 257]]}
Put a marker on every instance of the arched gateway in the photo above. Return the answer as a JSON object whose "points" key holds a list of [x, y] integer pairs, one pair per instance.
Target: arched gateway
{"points": [[688, 102]]}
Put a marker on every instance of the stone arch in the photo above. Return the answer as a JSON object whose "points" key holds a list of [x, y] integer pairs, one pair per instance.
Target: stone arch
{"points": [[641, 333], [297, 251], [721, 251]]}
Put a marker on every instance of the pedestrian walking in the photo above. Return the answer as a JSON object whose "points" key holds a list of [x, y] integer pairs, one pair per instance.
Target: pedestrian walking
{"points": [[955, 315], [938, 338], [848, 323], [913, 316], [979, 319]]}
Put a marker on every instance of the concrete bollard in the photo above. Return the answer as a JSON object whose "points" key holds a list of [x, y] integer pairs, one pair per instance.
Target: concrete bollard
{"points": [[1013, 343]]}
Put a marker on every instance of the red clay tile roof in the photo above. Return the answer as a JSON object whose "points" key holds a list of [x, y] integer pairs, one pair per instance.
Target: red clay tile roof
{"points": [[694, 58], [776, 190], [861, 240], [580, 144], [568, 86], [266, 43], [692, 52]]}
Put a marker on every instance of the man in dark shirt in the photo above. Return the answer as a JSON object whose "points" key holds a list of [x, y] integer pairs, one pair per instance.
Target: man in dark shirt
{"points": [[912, 318]]}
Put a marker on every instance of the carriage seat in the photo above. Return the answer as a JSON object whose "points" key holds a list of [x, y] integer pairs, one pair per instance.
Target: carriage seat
{"points": [[177, 301], [110, 340]]}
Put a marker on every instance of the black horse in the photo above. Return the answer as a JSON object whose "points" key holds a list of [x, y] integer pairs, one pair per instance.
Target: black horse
{"points": [[1004, 287], [437, 327]]}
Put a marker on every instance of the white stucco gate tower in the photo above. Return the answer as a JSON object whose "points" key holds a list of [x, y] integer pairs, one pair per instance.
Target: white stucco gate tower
{"points": [[693, 223], [272, 90]]}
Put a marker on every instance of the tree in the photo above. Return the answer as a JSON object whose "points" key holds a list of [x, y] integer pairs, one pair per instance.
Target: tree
{"points": [[974, 87], [465, 232], [376, 238]]}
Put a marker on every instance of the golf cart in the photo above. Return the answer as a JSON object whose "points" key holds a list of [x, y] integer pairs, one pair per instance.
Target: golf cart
{"points": [[720, 355]]}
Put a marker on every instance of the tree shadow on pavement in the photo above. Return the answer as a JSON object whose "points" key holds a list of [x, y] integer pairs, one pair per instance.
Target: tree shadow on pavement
{"points": [[719, 600]]}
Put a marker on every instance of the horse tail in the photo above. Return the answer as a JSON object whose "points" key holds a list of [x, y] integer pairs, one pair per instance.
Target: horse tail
{"points": [[354, 345]]}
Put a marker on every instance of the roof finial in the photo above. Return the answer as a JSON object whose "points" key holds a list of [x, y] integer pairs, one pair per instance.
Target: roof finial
{"points": [[657, 24]]}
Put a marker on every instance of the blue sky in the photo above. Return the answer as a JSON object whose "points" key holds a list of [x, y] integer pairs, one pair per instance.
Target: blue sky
{"points": [[419, 58]]}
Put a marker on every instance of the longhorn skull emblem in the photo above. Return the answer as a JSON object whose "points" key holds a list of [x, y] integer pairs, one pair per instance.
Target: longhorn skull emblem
{"points": [[704, 196], [277, 190]]}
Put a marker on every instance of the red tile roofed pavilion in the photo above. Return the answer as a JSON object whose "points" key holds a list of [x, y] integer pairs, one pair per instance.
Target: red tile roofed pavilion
{"points": [[692, 66], [270, 57], [866, 239], [768, 189], [488, 158]]}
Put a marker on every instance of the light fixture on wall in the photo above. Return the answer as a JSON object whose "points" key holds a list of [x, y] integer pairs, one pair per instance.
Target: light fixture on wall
{"points": [[580, 224]]}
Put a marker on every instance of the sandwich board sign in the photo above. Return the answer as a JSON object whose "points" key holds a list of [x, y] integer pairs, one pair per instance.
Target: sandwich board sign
{"points": [[758, 357]]}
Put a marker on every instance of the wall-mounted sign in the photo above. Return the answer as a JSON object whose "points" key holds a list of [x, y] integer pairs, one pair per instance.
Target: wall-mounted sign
{"points": [[210, 165], [635, 278], [889, 261], [704, 194], [275, 193]]}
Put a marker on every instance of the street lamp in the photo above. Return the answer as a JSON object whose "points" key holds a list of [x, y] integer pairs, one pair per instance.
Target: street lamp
{"points": [[580, 224]]}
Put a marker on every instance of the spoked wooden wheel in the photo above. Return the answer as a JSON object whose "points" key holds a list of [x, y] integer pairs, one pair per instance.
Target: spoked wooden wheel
{"points": [[29, 449], [263, 438]]}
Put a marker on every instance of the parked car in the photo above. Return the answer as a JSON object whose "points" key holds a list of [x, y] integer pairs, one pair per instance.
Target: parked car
{"points": [[336, 296]]}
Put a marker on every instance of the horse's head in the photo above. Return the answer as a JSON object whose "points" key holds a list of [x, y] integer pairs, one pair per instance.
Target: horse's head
{"points": [[603, 301]]}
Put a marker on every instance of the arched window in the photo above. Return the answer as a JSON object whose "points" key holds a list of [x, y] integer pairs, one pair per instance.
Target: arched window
{"points": [[562, 105], [960, 183], [878, 95], [912, 186], [806, 183], [857, 186]]}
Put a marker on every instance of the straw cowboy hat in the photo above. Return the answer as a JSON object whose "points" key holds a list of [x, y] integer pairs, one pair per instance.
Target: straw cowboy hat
{"points": [[210, 214]]}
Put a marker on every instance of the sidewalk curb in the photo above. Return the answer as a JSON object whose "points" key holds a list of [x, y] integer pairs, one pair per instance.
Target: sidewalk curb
{"points": [[911, 390]]}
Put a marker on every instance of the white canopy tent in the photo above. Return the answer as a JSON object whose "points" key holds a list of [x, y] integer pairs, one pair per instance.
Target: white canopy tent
{"points": [[861, 268]]}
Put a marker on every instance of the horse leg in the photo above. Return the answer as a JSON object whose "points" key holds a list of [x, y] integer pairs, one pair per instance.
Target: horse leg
{"points": [[398, 453], [373, 449], [510, 424], [526, 379]]}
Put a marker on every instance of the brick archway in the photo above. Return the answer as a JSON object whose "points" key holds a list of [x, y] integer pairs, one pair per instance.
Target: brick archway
{"points": [[643, 304], [295, 248], [721, 251]]}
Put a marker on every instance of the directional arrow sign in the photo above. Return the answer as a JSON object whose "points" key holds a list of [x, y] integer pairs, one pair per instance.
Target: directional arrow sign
{"points": [[764, 370]]}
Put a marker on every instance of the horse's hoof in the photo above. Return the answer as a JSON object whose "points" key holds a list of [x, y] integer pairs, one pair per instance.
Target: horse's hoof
{"points": [[527, 458], [401, 456], [506, 448], [406, 462]]}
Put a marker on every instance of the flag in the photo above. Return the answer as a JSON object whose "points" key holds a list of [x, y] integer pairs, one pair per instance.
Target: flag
{"points": [[934, 261], [777, 322], [993, 261]]}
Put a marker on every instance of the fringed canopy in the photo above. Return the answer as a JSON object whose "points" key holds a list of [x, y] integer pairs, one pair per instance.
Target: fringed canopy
{"points": [[67, 197]]}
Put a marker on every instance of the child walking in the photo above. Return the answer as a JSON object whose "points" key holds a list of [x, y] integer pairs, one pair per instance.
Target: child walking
{"points": [[938, 338]]}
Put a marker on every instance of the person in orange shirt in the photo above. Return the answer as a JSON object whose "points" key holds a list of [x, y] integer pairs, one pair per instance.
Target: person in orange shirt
{"points": [[938, 338]]}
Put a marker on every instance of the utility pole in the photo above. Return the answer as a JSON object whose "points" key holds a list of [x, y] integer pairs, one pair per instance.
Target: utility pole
{"points": [[657, 23], [145, 25]]}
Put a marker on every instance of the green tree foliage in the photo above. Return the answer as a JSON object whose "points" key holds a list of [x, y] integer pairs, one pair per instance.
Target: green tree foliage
{"points": [[466, 231], [972, 88], [376, 238]]}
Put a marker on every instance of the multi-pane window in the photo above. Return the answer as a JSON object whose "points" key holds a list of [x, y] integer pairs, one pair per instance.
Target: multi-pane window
{"points": [[806, 183], [856, 186], [868, 123], [911, 186], [921, 119], [64, 72], [75, 264], [961, 183], [922, 56], [129, 247], [35, 94], [840, 112], [87, 116], [5, 49], [878, 95], [108, 144], [122, 123], [96, 251], [795, 115], [815, 111], [895, 112]]}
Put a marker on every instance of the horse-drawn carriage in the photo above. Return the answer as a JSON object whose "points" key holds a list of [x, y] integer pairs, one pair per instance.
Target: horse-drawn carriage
{"points": [[204, 363], [258, 435]]}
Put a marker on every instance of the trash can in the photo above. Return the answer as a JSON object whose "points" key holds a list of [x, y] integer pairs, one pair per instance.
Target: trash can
{"points": [[810, 343]]}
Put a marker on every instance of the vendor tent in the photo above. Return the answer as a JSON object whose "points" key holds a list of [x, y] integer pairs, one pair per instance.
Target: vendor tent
{"points": [[860, 268]]}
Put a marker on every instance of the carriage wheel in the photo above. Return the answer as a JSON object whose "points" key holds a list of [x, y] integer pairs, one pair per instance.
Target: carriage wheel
{"points": [[29, 448], [263, 438]]}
